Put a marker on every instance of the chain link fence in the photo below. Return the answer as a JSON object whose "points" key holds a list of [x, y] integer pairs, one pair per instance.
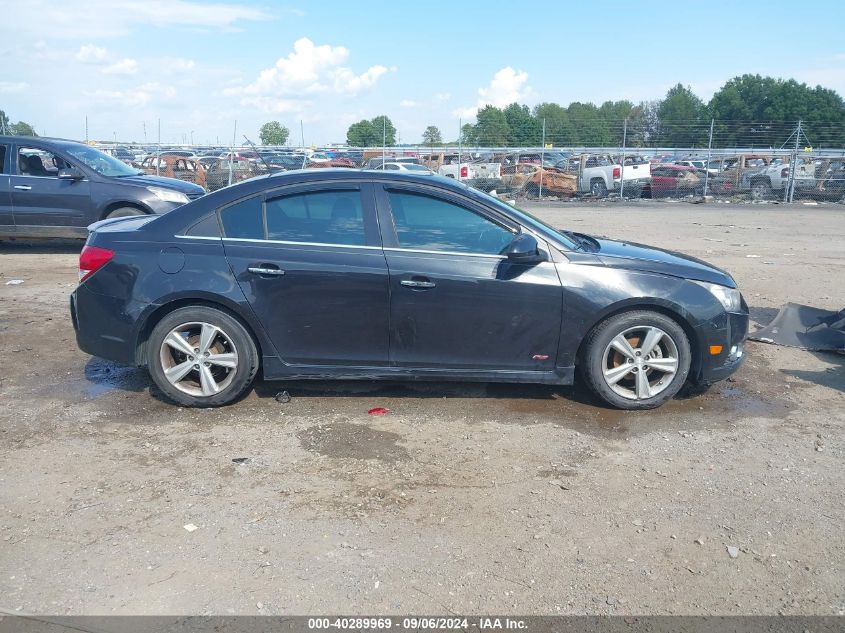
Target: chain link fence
{"points": [[557, 158]]}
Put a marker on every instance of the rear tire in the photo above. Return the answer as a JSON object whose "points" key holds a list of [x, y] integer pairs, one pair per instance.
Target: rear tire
{"points": [[636, 360], [124, 212], [761, 190], [201, 357], [598, 188]]}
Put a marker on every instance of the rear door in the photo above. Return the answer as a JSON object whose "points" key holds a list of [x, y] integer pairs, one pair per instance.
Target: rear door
{"points": [[6, 216], [455, 302], [310, 262], [39, 198]]}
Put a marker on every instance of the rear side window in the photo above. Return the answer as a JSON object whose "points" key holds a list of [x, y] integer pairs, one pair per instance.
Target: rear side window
{"points": [[243, 219], [2, 159], [324, 217]]}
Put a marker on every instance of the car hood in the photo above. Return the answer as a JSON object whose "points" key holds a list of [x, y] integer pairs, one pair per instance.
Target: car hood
{"points": [[657, 260], [160, 181]]}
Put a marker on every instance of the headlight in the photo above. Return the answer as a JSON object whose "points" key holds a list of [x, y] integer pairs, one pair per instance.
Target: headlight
{"points": [[168, 195], [728, 297]]}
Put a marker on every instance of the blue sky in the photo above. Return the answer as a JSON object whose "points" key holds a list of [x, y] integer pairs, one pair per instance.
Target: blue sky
{"points": [[200, 65]]}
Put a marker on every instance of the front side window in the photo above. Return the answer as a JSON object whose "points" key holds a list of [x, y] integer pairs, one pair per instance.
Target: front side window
{"points": [[432, 224], [38, 162], [323, 217]]}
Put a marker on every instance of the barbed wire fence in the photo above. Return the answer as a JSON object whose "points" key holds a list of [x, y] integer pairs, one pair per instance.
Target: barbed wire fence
{"points": [[563, 156]]}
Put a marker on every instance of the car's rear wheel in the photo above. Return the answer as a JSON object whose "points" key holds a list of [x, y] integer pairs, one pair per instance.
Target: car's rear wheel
{"points": [[201, 357], [637, 360], [761, 189], [598, 188], [124, 212]]}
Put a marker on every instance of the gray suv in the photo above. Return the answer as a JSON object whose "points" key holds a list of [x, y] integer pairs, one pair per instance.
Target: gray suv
{"points": [[56, 188]]}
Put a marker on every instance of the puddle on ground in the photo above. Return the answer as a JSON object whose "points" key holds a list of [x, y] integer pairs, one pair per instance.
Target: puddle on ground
{"points": [[103, 376], [355, 441]]}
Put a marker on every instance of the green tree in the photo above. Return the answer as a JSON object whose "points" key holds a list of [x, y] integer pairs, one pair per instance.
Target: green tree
{"points": [[383, 127], [4, 123], [491, 127], [590, 129], [273, 133], [362, 134], [432, 136], [20, 128], [643, 124], [559, 129], [749, 108], [524, 130], [371, 133], [683, 119], [469, 135]]}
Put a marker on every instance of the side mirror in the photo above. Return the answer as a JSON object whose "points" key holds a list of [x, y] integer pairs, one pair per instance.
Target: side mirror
{"points": [[70, 173], [524, 250]]}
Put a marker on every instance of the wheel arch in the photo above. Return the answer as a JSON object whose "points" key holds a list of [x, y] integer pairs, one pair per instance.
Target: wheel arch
{"points": [[119, 204], [155, 315], [670, 309]]}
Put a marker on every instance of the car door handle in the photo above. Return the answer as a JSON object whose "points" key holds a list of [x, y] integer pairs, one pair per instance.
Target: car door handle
{"points": [[265, 270], [23, 187], [414, 283]]}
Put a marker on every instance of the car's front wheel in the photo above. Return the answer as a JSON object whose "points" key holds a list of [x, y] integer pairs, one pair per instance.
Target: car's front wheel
{"points": [[636, 360], [201, 357]]}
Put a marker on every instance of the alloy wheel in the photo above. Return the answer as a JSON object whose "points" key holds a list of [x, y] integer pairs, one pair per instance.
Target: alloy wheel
{"points": [[640, 362], [199, 359]]}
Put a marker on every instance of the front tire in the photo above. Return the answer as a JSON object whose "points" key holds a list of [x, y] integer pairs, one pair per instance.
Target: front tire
{"points": [[201, 357], [636, 360], [761, 190], [124, 212]]}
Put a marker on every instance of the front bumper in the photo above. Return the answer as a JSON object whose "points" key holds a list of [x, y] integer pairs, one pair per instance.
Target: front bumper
{"points": [[729, 334]]}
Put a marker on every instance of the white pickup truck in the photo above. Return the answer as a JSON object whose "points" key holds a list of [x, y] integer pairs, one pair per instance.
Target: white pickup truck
{"points": [[483, 176], [600, 174]]}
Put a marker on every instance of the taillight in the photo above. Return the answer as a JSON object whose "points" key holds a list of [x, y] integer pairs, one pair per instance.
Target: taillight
{"points": [[91, 259], [465, 171], [784, 172], [617, 172]]}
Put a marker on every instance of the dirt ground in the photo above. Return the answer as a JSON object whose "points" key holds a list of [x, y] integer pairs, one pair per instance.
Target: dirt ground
{"points": [[465, 498]]}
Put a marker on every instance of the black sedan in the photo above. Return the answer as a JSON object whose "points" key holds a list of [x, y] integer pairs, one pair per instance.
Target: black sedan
{"points": [[390, 275]]}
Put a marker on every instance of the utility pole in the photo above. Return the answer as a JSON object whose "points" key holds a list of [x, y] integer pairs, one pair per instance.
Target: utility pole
{"points": [[460, 144], [622, 171], [158, 153], [144, 123], [542, 157], [383, 140], [707, 164], [86, 129], [232, 155], [302, 134], [794, 166]]}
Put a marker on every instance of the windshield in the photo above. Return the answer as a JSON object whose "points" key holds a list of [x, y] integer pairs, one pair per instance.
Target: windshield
{"points": [[413, 167], [527, 218], [101, 163]]}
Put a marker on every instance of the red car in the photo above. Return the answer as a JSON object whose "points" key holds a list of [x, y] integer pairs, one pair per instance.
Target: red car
{"points": [[674, 180]]}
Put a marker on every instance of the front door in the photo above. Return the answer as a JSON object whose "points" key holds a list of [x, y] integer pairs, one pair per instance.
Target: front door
{"points": [[455, 301], [39, 198], [310, 262]]}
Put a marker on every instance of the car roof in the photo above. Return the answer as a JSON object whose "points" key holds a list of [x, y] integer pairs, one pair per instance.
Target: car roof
{"points": [[38, 139]]}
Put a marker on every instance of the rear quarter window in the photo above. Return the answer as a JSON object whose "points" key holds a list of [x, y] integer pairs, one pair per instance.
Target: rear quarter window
{"points": [[244, 219]]}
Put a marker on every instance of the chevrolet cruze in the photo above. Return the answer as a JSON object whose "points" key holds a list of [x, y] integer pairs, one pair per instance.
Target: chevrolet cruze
{"points": [[340, 274]]}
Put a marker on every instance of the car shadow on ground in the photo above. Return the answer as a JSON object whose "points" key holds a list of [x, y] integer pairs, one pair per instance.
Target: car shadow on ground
{"points": [[103, 376], [41, 247]]}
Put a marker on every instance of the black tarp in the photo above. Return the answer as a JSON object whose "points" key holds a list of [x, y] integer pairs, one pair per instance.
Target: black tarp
{"points": [[806, 327]]}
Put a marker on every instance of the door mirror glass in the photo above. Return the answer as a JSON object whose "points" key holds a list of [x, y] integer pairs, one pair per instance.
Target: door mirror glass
{"points": [[70, 173], [524, 250]]}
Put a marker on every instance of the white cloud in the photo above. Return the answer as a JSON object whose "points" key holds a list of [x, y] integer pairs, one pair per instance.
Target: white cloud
{"points": [[13, 87], [442, 96], [114, 18], [177, 64], [307, 71], [506, 87], [90, 54], [125, 66], [136, 96], [407, 103]]}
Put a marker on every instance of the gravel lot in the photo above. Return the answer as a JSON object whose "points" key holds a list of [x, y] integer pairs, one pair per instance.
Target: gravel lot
{"points": [[466, 498]]}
